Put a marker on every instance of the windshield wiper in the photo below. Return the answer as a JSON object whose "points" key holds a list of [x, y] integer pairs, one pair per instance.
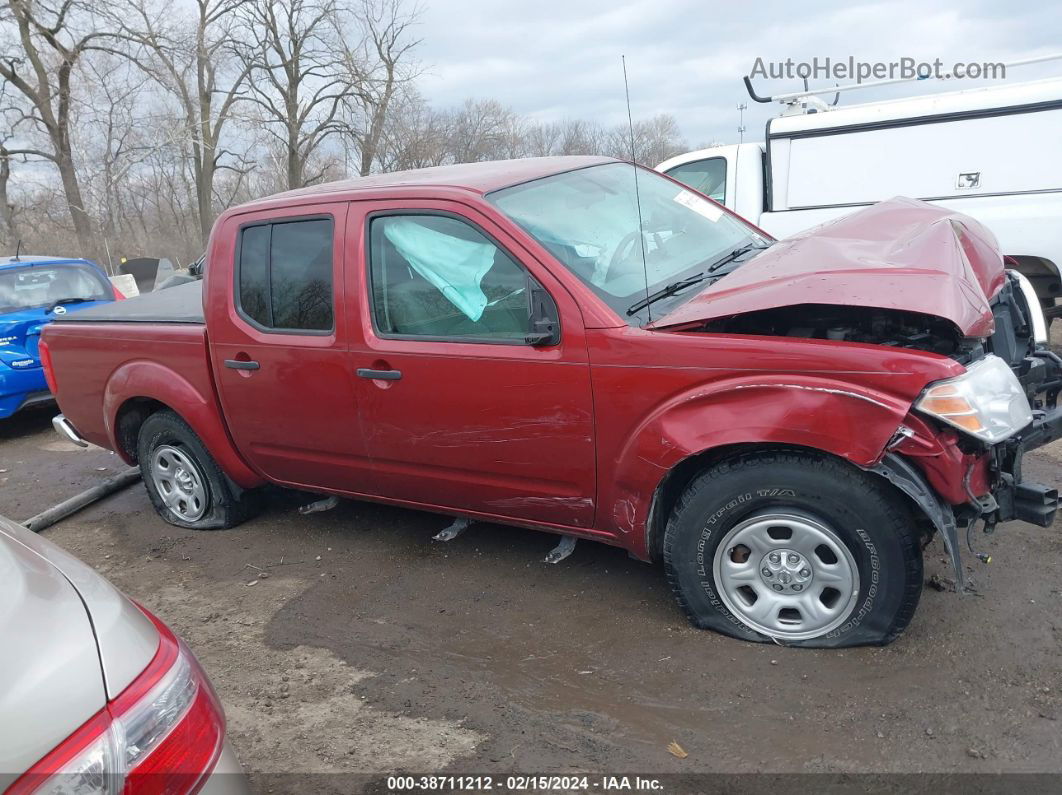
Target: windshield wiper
{"points": [[669, 290], [61, 301], [740, 251]]}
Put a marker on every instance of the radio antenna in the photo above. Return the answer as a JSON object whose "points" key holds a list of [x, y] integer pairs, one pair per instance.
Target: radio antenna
{"points": [[637, 193]]}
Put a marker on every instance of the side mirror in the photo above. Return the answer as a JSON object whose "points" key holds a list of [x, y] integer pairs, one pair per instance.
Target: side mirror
{"points": [[544, 326]]}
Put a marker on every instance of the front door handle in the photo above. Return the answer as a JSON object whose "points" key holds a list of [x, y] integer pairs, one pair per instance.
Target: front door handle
{"points": [[241, 364], [379, 375]]}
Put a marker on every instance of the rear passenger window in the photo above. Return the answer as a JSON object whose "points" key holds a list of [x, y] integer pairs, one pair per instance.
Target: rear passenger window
{"points": [[285, 275]]}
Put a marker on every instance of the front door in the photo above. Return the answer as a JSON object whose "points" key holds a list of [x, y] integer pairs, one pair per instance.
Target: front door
{"points": [[279, 349], [459, 410]]}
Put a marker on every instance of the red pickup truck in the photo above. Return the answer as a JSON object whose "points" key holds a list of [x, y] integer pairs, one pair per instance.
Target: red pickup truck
{"points": [[590, 349]]}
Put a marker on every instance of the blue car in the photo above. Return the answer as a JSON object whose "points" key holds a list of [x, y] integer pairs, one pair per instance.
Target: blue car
{"points": [[33, 290]]}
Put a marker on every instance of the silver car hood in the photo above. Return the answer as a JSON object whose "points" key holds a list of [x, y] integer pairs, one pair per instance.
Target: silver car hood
{"points": [[58, 666]]}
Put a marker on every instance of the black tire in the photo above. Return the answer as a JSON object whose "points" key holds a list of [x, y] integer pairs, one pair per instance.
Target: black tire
{"points": [[226, 504], [872, 522]]}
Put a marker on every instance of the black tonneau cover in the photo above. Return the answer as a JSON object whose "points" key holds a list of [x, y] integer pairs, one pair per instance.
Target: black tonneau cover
{"points": [[180, 304]]}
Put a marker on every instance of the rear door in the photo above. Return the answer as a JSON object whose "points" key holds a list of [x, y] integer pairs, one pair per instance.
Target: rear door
{"points": [[459, 411], [279, 348]]}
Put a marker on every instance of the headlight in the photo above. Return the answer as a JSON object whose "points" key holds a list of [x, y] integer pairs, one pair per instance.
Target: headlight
{"points": [[986, 401], [1039, 325]]}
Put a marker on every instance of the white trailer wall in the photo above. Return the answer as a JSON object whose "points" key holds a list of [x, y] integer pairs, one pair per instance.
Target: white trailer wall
{"points": [[1011, 153]]}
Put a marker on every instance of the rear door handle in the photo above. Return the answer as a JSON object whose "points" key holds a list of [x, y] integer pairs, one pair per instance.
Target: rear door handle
{"points": [[241, 364], [379, 375]]}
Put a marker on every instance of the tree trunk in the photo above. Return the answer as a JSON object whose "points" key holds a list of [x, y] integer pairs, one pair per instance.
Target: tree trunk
{"points": [[72, 189], [371, 141], [205, 197], [8, 229]]}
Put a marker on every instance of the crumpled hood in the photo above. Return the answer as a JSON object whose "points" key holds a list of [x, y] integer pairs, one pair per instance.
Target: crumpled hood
{"points": [[900, 254]]}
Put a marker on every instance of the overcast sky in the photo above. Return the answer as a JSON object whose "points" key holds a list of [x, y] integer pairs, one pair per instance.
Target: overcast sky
{"points": [[552, 59]]}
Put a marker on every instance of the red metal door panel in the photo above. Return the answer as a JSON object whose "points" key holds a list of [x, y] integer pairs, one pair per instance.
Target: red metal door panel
{"points": [[294, 416], [501, 429]]}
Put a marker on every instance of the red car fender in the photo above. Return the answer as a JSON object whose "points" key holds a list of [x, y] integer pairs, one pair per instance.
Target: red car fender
{"points": [[833, 416], [142, 378]]}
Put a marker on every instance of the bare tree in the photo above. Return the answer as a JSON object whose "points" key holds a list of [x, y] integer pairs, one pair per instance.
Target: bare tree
{"points": [[414, 135], [197, 65], [41, 63], [655, 140], [298, 76], [480, 130], [580, 137], [380, 66], [8, 226]]}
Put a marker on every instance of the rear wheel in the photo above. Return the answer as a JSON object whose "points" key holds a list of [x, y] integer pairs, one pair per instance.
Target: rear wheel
{"points": [[184, 482], [797, 548]]}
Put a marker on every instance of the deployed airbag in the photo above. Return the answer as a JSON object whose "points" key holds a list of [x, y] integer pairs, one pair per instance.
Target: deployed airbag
{"points": [[453, 265]]}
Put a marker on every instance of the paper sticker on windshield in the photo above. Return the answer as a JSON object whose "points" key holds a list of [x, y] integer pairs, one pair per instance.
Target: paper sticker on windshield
{"points": [[700, 206]]}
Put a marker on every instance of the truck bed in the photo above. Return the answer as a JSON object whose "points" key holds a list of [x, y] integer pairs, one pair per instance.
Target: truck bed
{"points": [[158, 341], [180, 304]]}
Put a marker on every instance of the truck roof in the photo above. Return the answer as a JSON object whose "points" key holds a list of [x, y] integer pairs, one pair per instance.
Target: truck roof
{"points": [[1033, 95], [479, 178]]}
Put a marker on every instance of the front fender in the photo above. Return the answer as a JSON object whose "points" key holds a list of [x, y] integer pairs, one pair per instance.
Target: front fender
{"points": [[846, 420], [143, 378]]}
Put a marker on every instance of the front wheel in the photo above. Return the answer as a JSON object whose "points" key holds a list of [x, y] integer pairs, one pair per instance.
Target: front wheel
{"points": [[184, 482], [797, 548]]}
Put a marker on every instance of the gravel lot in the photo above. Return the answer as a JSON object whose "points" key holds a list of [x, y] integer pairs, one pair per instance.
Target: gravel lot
{"points": [[350, 642]]}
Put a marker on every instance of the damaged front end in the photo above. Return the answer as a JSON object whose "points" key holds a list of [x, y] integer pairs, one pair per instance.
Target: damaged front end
{"points": [[906, 276]]}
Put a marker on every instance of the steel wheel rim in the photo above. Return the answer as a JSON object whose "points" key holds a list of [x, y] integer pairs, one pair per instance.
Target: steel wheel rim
{"points": [[179, 482], [797, 580]]}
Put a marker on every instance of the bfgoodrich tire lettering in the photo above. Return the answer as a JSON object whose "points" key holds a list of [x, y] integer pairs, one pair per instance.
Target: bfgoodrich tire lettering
{"points": [[166, 438], [862, 525]]}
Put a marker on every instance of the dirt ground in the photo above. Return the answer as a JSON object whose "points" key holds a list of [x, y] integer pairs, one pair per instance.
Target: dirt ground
{"points": [[349, 641]]}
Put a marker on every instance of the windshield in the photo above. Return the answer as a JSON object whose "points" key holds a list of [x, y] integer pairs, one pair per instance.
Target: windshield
{"points": [[588, 219], [41, 286]]}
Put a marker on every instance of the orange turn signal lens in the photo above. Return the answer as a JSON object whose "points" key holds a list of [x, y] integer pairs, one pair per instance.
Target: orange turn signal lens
{"points": [[946, 402]]}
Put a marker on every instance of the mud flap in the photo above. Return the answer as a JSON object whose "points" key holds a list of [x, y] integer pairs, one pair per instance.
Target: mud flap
{"points": [[908, 480]]}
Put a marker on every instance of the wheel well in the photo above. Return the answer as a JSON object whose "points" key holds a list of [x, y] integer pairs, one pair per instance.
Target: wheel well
{"points": [[1042, 273], [675, 481], [130, 417]]}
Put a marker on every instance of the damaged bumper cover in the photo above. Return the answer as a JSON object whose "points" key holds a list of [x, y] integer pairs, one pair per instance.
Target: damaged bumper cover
{"points": [[1006, 495]]}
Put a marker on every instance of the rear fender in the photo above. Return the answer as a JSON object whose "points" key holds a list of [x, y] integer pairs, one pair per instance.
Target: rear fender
{"points": [[147, 379], [828, 415]]}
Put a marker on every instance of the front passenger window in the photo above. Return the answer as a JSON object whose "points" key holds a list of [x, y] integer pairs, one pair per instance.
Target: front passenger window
{"points": [[438, 277]]}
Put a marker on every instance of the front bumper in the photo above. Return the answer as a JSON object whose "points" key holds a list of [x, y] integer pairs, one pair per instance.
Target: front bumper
{"points": [[1016, 497], [955, 490]]}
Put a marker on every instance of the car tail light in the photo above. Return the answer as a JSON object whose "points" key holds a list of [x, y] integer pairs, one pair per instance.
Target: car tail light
{"points": [[162, 734], [45, 356]]}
